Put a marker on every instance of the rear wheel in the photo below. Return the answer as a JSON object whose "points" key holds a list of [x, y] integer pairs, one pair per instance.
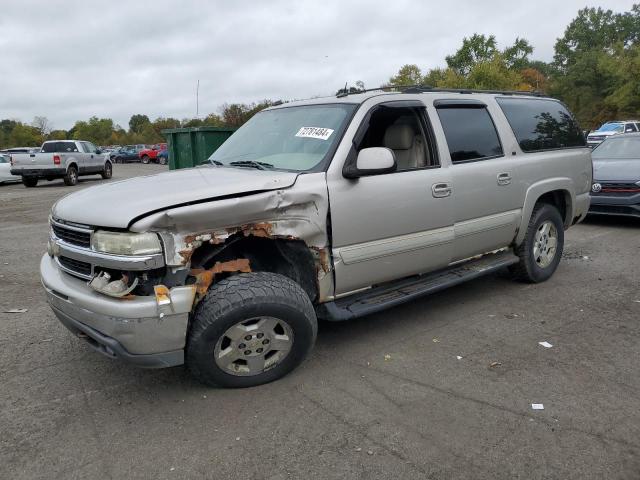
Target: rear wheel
{"points": [[108, 170], [145, 159], [250, 329], [541, 250], [162, 160], [29, 182], [71, 178]]}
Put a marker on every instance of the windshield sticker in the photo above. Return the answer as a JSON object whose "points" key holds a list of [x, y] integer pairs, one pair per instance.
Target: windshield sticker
{"points": [[315, 132]]}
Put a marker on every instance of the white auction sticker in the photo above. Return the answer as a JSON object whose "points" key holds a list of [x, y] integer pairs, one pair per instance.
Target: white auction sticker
{"points": [[315, 132]]}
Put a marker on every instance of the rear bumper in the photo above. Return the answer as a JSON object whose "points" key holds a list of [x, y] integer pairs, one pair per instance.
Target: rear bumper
{"points": [[39, 172], [615, 205], [136, 330]]}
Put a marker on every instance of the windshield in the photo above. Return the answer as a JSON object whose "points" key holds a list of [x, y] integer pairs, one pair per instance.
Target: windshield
{"points": [[292, 138], [618, 149], [611, 127]]}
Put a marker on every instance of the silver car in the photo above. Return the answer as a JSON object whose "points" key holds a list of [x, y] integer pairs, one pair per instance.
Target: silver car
{"points": [[616, 177], [329, 208]]}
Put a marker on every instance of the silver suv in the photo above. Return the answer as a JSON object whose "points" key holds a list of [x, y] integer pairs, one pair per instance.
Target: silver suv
{"points": [[610, 129], [330, 208]]}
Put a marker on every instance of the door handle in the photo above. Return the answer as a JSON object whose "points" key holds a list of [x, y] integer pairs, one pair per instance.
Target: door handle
{"points": [[504, 179], [440, 190]]}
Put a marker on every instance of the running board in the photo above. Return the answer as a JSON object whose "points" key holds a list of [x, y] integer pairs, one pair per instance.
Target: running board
{"points": [[391, 294]]}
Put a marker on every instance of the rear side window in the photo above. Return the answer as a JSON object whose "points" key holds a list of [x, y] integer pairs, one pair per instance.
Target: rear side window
{"points": [[541, 124], [470, 132]]}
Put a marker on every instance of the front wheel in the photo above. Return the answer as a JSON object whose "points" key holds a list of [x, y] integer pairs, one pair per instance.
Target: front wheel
{"points": [[541, 250], [162, 160], [108, 171], [250, 329], [71, 178], [145, 159]]}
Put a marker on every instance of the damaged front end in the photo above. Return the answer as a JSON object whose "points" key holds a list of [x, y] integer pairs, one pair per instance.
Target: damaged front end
{"points": [[139, 302]]}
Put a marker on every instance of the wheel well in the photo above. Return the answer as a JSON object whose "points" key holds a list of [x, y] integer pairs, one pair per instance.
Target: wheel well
{"points": [[291, 258], [72, 164], [561, 199]]}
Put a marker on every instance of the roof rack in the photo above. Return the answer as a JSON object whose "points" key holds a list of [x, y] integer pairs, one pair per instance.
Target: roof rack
{"points": [[427, 89]]}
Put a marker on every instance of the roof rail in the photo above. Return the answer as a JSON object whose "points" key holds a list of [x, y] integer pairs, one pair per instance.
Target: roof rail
{"points": [[427, 88]]}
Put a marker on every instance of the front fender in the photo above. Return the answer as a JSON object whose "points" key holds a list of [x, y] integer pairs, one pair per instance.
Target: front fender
{"points": [[563, 184]]}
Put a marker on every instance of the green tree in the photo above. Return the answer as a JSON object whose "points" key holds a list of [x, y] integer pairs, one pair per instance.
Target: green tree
{"points": [[24, 136], [595, 29], [475, 49], [137, 123], [96, 130], [407, 75], [57, 135]]}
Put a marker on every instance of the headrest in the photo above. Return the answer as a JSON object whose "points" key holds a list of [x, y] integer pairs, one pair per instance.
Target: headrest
{"points": [[399, 137]]}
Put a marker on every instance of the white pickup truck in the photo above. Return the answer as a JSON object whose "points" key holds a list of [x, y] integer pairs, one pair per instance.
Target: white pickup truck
{"points": [[66, 159]]}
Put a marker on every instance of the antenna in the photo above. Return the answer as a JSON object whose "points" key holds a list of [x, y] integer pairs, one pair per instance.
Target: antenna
{"points": [[198, 99]]}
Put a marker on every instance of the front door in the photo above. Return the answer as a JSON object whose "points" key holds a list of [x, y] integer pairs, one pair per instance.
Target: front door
{"points": [[392, 225]]}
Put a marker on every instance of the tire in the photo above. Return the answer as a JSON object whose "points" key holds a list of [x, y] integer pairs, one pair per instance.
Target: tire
{"points": [[262, 300], [162, 160], [145, 159], [535, 266], [108, 171], [29, 182], [71, 178]]}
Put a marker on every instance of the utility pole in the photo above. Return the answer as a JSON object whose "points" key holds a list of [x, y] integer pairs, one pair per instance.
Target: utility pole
{"points": [[198, 99]]}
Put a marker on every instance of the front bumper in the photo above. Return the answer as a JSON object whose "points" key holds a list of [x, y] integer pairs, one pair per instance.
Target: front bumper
{"points": [[625, 206], [138, 330]]}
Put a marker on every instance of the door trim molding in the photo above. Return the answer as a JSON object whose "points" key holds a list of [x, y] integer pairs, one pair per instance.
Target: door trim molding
{"points": [[487, 223], [363, 252]]}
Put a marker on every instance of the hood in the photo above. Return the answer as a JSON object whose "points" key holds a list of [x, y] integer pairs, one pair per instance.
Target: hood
{"points": [[116, 204], [616, 170], [598, 133]]}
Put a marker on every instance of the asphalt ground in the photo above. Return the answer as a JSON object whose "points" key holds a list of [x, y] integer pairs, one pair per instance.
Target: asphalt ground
{"points": [[380, 397]]}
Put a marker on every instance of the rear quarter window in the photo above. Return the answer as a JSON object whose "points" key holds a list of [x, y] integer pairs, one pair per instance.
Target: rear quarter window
{"points": [[541, 124]]}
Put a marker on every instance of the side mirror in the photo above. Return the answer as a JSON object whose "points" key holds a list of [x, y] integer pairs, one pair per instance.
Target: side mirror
{"points": [[372, 161], [98, 151]]}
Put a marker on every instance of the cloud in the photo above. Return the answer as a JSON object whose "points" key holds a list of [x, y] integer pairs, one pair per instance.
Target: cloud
{"points": [[69, 60]]}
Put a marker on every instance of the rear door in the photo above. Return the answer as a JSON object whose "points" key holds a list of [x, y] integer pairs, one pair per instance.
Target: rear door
{"points": [[392, 225], [488, 194]]}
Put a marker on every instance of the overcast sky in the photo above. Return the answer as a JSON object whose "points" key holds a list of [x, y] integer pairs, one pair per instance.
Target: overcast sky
{"points": [[69, 60]]}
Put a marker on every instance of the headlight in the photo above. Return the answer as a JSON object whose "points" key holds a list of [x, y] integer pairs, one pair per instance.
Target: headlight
{"points": [[125, 243]]}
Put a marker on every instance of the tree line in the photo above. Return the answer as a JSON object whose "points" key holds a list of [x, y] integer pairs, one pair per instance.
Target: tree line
{"points": [[595, 71], [104, 131]]}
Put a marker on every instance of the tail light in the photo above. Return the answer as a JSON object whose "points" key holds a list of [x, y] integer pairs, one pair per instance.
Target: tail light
{"points": [[56, 159]]}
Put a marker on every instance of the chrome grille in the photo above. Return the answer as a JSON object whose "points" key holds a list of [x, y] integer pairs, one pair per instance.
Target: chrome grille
{"points": [[74, 237], [82, 268]]}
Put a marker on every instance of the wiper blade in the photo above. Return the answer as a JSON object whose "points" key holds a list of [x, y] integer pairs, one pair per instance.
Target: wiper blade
{"points": [[252, 163], [215, 162]]}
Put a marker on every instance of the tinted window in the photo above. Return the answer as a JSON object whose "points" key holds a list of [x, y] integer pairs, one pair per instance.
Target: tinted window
{"points": [[4, 159], [470, 133], [53, 147], [541, 124], [630, 127]]}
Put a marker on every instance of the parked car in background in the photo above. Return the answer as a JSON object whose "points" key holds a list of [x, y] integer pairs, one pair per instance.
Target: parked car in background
{"points": [[5, 170], [125, 154], [163, 157], [21, 150], [333, 208], [609, 129], [66, 159], [151, 154], [616, 176]]}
